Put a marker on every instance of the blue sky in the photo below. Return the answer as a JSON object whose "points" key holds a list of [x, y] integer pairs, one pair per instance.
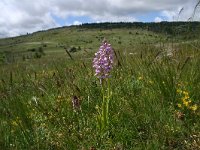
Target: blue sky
{"points": [[71, 20], [19, 17], [150, 17]]}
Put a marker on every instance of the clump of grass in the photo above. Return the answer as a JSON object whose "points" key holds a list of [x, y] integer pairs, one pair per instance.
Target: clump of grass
{"points": [[53, 103]]}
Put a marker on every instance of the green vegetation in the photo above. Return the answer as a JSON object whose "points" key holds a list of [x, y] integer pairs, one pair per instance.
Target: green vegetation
{"points": [[155, 87]]}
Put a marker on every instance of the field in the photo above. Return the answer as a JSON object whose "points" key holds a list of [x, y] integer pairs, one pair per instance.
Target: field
{"points": [[51, 99]]}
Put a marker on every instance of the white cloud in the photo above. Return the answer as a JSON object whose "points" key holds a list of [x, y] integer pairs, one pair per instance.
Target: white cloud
{"points": [[77, 23], [158, 19], [169, 15], [21, 17], [18, 17], [112, 18]]}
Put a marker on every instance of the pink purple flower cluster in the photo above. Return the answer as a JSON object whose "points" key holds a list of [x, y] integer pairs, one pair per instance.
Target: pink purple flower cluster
{"points": [[103, 61]]}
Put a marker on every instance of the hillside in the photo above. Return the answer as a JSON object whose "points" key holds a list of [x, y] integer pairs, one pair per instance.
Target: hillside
{"points": [[142, 92], [88, 36]]}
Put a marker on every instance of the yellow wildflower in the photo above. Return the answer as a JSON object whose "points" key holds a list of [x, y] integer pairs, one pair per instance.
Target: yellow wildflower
{"points": [[179, 105], [179, 91], [59, 97], [186, 103], [186, 97], [14, 123], [185, 93], [140, 78], [183, 99], [194, 107], [151, 82]]}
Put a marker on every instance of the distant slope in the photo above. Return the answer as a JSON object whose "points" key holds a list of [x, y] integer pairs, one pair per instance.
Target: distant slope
{"points": [[168, 28], [89, 36]]}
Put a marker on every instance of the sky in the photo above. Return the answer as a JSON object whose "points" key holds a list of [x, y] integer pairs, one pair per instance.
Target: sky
{"points": [[18, 17]]}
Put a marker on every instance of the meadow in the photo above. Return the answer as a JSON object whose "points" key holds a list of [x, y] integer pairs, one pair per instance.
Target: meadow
{"points": [[51, 99]]}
